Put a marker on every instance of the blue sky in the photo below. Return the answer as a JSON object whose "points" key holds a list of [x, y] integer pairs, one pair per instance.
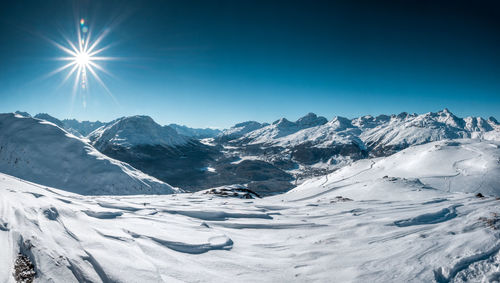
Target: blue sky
{"points": [[216, 63]]}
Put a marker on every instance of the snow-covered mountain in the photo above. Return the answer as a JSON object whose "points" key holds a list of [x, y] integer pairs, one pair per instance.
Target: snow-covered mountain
{"points": [[398, 131], [156, 150], [403, 130], [47, 117], [195, 132], [273, 157], [403, 218], [239, 130], [84, 128], [77, 128], [42, 152], [342, 140], [281, 128], [133, 131]]}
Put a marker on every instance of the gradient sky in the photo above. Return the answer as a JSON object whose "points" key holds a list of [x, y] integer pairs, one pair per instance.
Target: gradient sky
{"points": [[215, 63]]}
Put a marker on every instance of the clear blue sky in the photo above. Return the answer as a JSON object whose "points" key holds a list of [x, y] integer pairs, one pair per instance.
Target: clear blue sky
{"points": [[216, 63]]}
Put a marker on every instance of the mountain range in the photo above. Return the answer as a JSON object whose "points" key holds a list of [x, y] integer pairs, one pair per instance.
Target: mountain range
{"points": [[266, 157]]}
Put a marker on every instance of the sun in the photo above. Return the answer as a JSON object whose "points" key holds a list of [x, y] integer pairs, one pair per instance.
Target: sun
{"points": [[83, 56], [82, 59]]}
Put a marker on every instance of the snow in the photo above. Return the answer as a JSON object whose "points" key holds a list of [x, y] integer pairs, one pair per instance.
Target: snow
{"points": [[135, 130], [39, 151], [337, 131], [281, 128], [209, 169], [240, 129], [195, 132], [466, 165], [207, 141], [247, 157], [354, 225], [397, 131]]}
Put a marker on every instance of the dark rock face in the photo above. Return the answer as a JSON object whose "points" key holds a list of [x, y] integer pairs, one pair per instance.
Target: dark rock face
{"points": [[233, 191]]}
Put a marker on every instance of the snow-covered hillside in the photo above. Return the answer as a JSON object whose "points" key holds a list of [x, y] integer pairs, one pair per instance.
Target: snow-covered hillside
{"points": [[356, 225], [41, 152], [135, 130], [463, 165]]}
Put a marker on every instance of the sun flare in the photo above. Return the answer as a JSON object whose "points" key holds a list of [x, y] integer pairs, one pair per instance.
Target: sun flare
{"points": [[83, 56], [82, 59]]}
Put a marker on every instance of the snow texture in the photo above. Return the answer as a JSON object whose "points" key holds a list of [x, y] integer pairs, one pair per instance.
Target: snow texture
{"points": [[404, 218]]}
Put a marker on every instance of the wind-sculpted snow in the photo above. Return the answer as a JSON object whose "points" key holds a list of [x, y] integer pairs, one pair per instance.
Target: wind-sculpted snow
{"points": [[442, 215], [41, 152], [402, 218]]}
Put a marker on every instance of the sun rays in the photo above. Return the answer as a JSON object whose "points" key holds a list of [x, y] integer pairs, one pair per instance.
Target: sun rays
{"points": [[83, 58]]}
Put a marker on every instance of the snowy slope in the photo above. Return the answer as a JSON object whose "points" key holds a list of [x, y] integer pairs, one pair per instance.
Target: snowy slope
{"points": [[355, 226], [39, 151], [135, 130], [47, 117], [464, 165]]}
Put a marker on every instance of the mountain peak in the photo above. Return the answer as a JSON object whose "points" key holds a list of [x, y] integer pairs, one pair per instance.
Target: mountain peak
{"points": [[311, 120], [22, 113], [446, 112], [136, 130], [48, 118], [282, 122]]}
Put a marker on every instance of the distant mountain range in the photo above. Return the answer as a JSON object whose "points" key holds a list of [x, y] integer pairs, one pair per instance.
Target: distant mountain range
{"points": [[267, 158]]}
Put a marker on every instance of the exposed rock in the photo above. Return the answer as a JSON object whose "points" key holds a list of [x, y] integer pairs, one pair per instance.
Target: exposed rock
{"points": [[24, 270]]}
